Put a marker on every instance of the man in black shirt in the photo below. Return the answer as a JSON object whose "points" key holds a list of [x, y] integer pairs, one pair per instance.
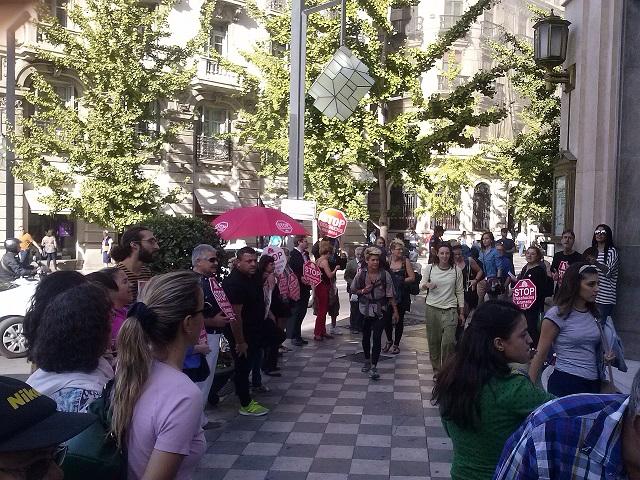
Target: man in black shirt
{"points": [[299, 255], [566, 257], [246, 296]]}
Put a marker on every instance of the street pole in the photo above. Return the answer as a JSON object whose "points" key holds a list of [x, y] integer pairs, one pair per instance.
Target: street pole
{"points": [[10, 184], [299, 16]]}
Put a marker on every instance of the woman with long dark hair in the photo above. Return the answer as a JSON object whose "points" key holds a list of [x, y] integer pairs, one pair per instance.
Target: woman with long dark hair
{"points": [[488, 256], [571, 328], [607, 265], [444, 304], [482, 400], [403, 275]]}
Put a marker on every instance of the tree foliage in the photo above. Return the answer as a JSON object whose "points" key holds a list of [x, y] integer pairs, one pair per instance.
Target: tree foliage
{"points": [[177, 237], [393, 148], [121, 53], [532, 152]]}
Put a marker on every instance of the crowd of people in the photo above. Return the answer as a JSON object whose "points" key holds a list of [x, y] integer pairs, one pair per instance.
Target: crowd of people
{"points": [[148, 346]]}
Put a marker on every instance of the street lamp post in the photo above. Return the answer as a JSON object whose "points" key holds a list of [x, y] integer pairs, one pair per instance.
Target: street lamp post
{"points": [[299, 15], [550, 49]]}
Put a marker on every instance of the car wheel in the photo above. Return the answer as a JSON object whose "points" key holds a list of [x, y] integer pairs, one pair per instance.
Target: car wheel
{"points": [[14, 344]]}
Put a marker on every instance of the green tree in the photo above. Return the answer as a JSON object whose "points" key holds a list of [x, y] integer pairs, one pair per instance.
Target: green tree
{"points": [[123, 58], [530, 155], [392, 148]]}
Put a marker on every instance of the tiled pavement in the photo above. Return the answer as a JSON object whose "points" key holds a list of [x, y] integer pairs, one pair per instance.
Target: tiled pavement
{"points": [[329, 421]]}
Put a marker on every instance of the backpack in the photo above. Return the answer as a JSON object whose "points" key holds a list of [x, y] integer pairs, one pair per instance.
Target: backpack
{"points": [[94, 453], [365, 299]]}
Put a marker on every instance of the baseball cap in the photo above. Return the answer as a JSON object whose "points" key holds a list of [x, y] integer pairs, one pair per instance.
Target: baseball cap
{"points": [[30, 420]]}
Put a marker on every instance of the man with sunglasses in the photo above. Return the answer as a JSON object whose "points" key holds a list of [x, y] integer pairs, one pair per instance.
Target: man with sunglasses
{"points": [[204, 261], [31, 432]]}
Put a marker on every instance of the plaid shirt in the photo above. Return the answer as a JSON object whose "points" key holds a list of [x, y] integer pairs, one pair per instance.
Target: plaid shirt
{"points": [[575, 437]]}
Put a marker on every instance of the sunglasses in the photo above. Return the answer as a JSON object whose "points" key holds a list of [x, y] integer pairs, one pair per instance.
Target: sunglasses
{"points": [[206, 309], [600, 232], [39, 468]]}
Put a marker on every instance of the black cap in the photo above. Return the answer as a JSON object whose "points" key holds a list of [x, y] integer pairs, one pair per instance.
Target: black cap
{"points": [[30, 420]]}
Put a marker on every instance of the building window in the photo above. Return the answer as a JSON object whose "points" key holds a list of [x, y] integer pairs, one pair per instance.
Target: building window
{"points": [[453, 7], [214, 121], [67, 94], [481, 207], [60, 11], [218, 44]]}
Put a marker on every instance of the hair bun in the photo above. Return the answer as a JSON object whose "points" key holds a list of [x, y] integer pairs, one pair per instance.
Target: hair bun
{"points": [[145, 315]]}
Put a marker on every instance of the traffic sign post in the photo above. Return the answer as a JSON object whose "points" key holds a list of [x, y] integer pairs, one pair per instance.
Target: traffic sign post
{"points": [[524, 294]]}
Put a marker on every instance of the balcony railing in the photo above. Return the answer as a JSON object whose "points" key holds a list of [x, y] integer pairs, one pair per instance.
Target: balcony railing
{"points": [[214, 149], [444, 84], [277, 5], [448, 222], [215, 72], [490, 30]]}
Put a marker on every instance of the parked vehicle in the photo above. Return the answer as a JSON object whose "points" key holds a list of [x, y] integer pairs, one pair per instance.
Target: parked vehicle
{"points": [[14, 301]]}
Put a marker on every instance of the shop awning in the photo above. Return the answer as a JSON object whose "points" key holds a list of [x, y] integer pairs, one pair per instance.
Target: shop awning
{"points": [[36, 206], [215, 202]]}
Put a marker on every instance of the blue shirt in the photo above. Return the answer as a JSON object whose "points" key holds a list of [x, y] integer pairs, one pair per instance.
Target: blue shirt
{"points": [[572, 438], [503, 262], [488, 259]]}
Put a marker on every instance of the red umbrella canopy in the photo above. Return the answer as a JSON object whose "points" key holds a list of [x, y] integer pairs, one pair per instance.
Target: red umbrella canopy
{"points": [[254, 221]]}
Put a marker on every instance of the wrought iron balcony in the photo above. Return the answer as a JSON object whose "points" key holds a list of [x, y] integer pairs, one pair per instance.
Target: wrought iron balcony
{"points": [[211, 149]]}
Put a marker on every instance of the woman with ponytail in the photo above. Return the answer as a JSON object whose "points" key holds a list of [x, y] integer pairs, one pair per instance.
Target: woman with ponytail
{"points": [[482, 400], [156, 408]]}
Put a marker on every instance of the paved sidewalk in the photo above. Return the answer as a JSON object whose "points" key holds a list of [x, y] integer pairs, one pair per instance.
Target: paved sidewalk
{"points": [[329, 421]]}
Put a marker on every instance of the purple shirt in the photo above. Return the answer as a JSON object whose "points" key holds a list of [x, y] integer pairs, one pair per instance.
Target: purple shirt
{"points": [[167, 417]]}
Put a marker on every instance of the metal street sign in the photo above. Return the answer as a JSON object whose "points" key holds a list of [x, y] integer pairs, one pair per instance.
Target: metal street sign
{"points": [[341, 85]]}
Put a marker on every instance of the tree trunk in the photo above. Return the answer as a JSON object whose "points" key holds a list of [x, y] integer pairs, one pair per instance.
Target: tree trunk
{"points": [[384, 203]]}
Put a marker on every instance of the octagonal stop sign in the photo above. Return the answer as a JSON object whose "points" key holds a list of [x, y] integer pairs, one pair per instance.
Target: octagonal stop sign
{"points": [[524, 293]]}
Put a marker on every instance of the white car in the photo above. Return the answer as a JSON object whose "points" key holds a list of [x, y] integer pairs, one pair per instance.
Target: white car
{"points": [[15, 296]]}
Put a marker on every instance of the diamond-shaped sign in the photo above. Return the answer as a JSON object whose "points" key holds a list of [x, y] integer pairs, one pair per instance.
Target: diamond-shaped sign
{"points": [[341, 85]]}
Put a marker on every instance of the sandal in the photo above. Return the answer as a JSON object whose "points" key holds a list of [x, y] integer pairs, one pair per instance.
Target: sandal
{"points": [[395, 350], [387, 346]]}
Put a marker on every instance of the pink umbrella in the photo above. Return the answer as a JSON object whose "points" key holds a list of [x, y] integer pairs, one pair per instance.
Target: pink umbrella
{"points": [[255, 221]]}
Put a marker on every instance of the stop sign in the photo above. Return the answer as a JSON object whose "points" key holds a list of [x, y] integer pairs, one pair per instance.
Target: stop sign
{"points": [[524, 293], [332, 223]]}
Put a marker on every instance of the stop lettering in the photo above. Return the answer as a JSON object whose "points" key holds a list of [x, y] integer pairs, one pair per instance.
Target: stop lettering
{"points": [[524, 294]]}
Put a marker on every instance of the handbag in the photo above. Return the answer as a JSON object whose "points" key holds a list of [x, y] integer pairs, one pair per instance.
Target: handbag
{"points": [[199, 373], [607, 385], [94, 453]]}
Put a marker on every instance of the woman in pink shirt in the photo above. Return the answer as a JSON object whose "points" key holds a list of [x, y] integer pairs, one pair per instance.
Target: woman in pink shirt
{"points": [[117, 284], [157, 409]]}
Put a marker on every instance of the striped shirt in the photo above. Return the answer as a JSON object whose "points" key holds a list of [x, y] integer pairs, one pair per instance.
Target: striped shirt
{"points": [[572, 438], [608, 282], [144, 276]]}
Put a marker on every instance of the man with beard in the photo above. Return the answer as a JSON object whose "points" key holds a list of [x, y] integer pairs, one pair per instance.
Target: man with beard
{"points": [[245, 334], [136, 249]]}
